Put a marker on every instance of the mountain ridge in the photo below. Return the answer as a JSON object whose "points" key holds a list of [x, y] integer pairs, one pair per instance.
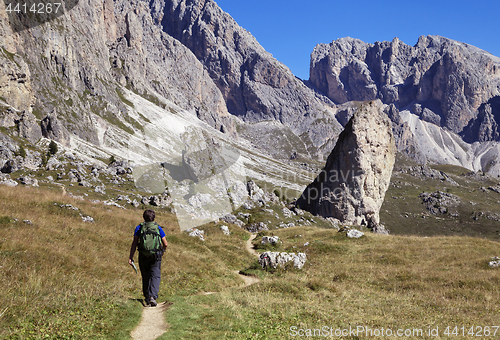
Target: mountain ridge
{"points": [[73, 74]]}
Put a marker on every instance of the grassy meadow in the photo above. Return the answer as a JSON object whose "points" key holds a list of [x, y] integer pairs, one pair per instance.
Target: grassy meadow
{"points": [[63, 278]]}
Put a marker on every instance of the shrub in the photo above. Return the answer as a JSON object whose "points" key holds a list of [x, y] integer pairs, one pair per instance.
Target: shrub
{"points": [[52, 148], [21, 152]]}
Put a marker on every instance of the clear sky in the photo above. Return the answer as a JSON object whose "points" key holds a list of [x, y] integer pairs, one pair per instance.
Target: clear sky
{"points": [[291, 29]]}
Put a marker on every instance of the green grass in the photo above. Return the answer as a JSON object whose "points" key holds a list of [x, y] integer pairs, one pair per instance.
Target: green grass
{"points": [[123, 99], [404, 214], [392, 282], [66, 279]]}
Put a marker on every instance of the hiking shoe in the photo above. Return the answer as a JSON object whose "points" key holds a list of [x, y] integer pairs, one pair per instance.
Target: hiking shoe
{"points": [[152, 302], [147, 302]]}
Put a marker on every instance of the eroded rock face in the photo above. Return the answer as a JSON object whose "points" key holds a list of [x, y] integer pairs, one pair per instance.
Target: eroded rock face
{"points": [[441, 80], [352, 185], [255, 86], [15, 81]]}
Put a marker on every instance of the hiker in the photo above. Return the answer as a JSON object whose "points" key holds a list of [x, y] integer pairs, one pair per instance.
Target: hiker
{"points": [[150, 239]]}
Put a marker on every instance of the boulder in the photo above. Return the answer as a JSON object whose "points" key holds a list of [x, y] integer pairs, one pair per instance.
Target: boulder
{"points": [[280, 259], [273, 240], [27, 180], [354, 233], [196, 233], [494, 262], [229, 218], [440, 202], [287, 212], [6, 180], [352, 185], [257, 227], [225, 230]]}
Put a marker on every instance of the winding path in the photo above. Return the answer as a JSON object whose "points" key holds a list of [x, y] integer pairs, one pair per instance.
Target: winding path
{"points": [[153, 323]]}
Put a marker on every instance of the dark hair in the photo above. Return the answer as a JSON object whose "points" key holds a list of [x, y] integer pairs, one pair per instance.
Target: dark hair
{"points": [[149, 215]]}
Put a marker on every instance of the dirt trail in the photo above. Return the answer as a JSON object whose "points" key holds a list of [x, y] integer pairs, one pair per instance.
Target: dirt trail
{"points": [[249, 245], [249, 280], [153, 322]]}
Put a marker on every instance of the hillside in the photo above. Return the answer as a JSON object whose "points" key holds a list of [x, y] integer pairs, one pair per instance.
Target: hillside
{"points": [[65, 278]]}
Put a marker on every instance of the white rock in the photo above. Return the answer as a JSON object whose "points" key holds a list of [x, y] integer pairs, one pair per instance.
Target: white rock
{"points": [[225, 229], [353, 233], [9, 182], [495, 262], [277, 259], [287, 212], [274, 240], [197, 233], [87, 219]]}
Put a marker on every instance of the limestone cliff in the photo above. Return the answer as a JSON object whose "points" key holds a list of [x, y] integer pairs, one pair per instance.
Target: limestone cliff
{"points": [[352, 185], [76, 65], [255, 86]]}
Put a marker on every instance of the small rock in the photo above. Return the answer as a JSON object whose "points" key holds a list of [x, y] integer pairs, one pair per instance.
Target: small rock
{"points": [[197, 233], [257, 227], [101, 189], [26, 180], [273, 240], [87, 219], [287, 212], [354, 233], [247, 206], [85, 184], [225, 230], [6, 180], [494, 262], [229, 218]]}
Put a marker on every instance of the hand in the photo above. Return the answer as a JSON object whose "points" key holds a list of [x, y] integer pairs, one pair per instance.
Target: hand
{"points": [[130, 261]]}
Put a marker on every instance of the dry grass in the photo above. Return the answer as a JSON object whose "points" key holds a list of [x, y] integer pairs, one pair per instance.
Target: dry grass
{"points": [[67, 279], [62, 277], [391, 282]]}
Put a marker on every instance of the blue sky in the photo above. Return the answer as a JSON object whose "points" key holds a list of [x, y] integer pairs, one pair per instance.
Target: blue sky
{"points": [[290, 29]]}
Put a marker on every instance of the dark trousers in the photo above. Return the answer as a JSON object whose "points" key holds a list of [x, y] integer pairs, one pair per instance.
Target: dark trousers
{"points": [[151, 275]]}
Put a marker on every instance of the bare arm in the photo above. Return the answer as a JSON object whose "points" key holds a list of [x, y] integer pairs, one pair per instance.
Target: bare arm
{"points": [[133, 247], [164, 242]]}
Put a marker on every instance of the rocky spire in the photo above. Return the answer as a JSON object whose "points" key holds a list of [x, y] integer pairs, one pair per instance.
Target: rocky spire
{"points": [[352, 185]]}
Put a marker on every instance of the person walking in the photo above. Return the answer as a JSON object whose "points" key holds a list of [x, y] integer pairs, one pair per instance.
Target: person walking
{"points": [[149, 239]]}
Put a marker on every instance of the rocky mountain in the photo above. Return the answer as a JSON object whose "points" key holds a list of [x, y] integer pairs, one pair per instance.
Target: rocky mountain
{"points": [[445, 91], [105, 80], [255, 86], [442, 81], [352, 185], [172, 85]]}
